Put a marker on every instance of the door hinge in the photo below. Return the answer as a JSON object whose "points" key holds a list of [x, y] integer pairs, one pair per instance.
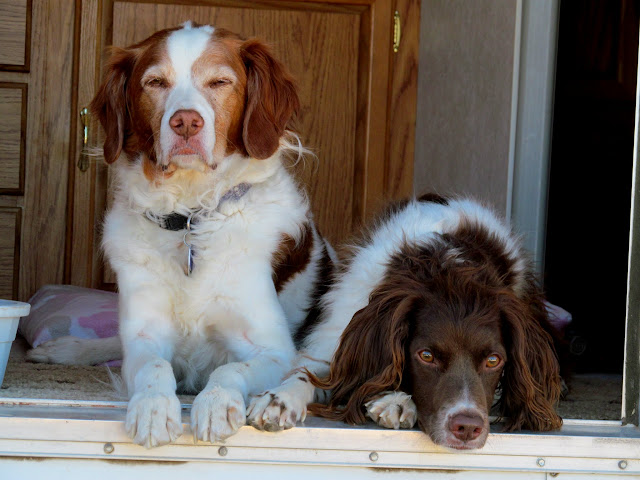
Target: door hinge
{"points": [[397, 33]]}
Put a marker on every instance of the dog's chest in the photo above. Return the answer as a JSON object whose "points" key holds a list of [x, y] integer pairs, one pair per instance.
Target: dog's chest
{"points": [[213, 243], [228, 254]]}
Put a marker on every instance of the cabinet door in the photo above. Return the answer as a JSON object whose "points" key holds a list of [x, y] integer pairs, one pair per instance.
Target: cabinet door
{"points": [[341, 56]]}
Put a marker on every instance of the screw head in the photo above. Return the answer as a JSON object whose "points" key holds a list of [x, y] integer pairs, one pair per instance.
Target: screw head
{"points": [[108, 448], [540, 462], [622, 464], [373, 456], [222, 451]]}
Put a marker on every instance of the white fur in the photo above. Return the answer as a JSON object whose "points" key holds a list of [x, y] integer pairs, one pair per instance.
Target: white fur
{"points": [[393, 410], [184, 47], [463, 405], [222, 330], [416, 223]]}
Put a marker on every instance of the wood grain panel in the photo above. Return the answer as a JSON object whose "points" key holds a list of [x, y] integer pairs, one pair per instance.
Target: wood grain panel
{"points": [[402, 109], [15, 23], [320, 49], [49, 105], [9, 252], [371, 140], [82, 259], [13, 125]]}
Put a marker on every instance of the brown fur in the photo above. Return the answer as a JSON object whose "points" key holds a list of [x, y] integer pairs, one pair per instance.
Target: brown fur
{"points": [[272, 100], [457, 300], [291, 257], [251, 118]]}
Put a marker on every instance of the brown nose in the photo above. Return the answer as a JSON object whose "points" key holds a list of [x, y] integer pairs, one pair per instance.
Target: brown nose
{"points": [[186, 123], [466, 428]]}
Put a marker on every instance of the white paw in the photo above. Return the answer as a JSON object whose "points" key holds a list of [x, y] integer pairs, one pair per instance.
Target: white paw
{"points": [[153, 419], [393, 410], [217, 414], [276, 410], [63, 350]]}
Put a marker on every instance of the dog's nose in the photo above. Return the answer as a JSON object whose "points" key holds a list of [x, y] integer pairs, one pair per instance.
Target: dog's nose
{"points": [[186, 123], [465, 427]]}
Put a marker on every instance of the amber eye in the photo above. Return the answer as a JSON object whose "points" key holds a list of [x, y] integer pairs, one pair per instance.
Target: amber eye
{"points": [[426, 356], [492, 361], [156, 83]]}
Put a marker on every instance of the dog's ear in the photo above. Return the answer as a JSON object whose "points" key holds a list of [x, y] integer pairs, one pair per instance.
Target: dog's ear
{"points": [[272, 100], [370, 357], [110, 102], [531, 382]]}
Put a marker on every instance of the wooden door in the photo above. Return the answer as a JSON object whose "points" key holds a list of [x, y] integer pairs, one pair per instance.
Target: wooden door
{"points": [[36, 59], [355, 96]]}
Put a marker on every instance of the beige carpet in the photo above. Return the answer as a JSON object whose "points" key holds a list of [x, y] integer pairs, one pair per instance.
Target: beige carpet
{"points": [[593, 397], [59, 382]]}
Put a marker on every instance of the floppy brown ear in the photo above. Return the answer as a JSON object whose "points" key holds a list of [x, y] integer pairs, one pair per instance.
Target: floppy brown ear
{"points": [[370, 357], [272, 100], [110, 102], [531, 382]]}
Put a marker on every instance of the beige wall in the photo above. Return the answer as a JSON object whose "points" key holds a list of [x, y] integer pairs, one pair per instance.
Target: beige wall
{"points": [[465, 98]]}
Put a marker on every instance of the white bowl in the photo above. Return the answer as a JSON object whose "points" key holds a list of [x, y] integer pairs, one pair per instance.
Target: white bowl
{"points": [[10, 313]]}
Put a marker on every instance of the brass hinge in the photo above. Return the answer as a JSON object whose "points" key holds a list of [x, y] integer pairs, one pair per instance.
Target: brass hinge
{"points": [[397, 33], [83, 160]]}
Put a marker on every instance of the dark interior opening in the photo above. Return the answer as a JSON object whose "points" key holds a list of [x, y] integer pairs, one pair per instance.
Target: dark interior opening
{"points": [[590, 177]]}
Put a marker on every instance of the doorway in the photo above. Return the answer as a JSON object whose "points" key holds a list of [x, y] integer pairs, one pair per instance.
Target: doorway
{"points": [[590, 177]]}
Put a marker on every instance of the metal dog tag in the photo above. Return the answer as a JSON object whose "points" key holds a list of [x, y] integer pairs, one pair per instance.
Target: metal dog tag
{"points": [[189, 247]]}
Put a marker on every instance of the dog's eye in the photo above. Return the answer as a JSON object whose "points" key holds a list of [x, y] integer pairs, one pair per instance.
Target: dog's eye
{"points": [[426, 356], [493, 361], [156, 83], [218, 82]]}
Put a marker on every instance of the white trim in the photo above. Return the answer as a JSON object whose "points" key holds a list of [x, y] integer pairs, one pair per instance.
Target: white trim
{"points": [[533, 123], [515, 93], [33, 428], [631, 369]]}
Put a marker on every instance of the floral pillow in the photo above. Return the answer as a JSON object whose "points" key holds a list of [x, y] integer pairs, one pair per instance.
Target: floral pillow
{"points": [[61, 310]]}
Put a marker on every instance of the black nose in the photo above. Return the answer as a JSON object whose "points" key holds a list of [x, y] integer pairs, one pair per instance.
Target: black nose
{"points": [[465, 427]]}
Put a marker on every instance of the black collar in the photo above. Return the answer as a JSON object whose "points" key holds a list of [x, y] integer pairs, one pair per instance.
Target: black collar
{"points": [[177, 221], [174, 221]]}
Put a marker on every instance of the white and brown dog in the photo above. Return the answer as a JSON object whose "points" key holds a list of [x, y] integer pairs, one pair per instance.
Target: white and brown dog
{"points": [[436, 308], [213, 243]]}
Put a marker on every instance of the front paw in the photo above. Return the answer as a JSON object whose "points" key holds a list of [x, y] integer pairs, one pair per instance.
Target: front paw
{"points": [[393, 410], [276, 410], [217, 414], [153, 419]]}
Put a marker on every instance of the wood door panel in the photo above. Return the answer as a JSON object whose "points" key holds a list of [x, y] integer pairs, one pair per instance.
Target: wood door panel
{"points": [[50, 90], [9, 252], [13, 125], [320, 49], [15, 22]]}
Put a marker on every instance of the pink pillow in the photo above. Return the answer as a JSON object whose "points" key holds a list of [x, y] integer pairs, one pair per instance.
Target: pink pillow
{"points": [[61, 310]]}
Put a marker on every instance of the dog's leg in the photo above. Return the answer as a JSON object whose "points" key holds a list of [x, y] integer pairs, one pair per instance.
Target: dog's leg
{"points": [[284, 406], [77, 351], [153, 414], [392, 410], [265, 352], [220, 409]]}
